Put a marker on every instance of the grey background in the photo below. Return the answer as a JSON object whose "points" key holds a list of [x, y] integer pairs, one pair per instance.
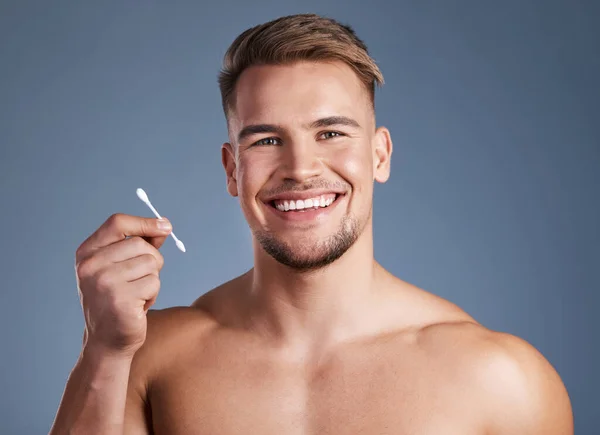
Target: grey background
{"points": [[493, 201]]}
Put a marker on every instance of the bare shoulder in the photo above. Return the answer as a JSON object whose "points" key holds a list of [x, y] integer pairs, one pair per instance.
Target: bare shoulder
{"points": [[511, 381], [168, 333], [173, 330], [504, 376]]}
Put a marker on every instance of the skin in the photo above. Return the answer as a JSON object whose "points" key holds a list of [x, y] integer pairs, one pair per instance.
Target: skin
{"points": [[295, 347]]}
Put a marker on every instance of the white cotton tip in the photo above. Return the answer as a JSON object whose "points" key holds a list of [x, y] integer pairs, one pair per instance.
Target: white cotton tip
{"points": [[142, 195]]}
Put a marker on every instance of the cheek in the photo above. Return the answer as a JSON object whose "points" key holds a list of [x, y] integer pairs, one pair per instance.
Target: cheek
{"points": [[355, 165], [247, 188], [252, 175]]}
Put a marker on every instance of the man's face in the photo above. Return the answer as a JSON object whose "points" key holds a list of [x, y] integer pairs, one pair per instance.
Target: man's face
{"points": [[303, 156]]}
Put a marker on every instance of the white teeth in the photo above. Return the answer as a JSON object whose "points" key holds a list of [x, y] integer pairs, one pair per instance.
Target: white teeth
{"points": [[300, 204]]}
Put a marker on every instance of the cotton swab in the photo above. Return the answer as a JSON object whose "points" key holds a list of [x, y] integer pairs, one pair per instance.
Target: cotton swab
{"points": [[142, 195]]}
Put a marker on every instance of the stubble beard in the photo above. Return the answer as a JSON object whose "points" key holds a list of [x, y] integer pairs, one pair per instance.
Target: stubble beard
{"points": [[309, 255]]}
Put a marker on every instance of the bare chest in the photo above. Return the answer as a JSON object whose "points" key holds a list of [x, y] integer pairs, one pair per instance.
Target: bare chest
{"points": [[366, 395]]}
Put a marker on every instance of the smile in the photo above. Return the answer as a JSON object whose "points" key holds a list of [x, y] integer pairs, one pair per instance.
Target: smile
{"points": [[320, 201], [308, 208]]}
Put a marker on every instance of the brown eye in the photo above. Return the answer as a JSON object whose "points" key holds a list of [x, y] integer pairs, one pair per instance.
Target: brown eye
{"points": [[331, 134], [266, 141]]}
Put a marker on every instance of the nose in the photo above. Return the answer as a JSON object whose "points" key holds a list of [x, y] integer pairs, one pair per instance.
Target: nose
{"points": [[300, 161]]}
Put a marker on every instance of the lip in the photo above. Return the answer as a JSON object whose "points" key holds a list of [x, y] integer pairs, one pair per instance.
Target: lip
{"points": [[312, 214]]}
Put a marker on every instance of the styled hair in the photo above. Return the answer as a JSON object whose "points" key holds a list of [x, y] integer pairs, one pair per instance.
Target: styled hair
{"points": [[294, 38]]}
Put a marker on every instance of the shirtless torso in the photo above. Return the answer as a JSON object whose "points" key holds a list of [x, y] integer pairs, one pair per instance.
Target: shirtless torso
{"points": [[427, 368], [317, 338]]}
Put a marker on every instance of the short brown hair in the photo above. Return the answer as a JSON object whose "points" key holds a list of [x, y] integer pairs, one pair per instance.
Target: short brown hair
{"points": [[302, 37]]}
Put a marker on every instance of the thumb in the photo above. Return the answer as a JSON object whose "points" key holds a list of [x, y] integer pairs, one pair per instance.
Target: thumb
{"points": [[157, 241]]}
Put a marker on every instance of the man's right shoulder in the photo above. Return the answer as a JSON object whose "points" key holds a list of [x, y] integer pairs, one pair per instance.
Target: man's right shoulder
{"points": [[170, 323], [169, 329]]}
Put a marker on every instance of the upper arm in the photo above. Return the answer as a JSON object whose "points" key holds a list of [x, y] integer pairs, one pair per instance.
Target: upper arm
{"points": [[137, 413], [138, 419], [526, 394]]}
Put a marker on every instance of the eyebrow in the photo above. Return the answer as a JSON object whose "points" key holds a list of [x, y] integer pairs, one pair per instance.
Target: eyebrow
{"points": [[249, 130], [335, 120], [329, 121]]}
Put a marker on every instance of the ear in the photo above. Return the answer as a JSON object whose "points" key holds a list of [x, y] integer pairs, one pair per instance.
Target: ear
{"points": [[228, 160], [382, 154]]}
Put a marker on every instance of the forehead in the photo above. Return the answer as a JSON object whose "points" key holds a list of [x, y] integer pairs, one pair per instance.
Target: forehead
{"points": [[298, 93]]}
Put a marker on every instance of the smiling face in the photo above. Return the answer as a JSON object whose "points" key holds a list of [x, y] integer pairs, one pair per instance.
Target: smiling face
{"points": [[303, 155]]}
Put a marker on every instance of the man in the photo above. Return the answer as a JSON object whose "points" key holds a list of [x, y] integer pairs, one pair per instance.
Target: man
{"points": [[317, 338]]}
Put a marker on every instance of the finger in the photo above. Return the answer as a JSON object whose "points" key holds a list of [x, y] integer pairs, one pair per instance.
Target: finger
{"points": [[157, 242], [146, 287], [118, 227], [126, 249], [137, 267]]}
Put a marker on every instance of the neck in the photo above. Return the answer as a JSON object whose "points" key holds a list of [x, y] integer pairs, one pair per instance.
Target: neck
{"points": [[315, 308]]}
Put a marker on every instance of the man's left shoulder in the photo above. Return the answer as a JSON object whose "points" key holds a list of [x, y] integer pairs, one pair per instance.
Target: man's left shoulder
{"points": [[517, 384]]}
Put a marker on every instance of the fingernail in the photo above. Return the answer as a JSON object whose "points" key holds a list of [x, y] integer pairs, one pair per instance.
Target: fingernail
{"points": [[163, 224]]}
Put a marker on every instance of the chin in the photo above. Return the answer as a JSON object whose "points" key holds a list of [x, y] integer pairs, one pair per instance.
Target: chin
{"points": [[306, 253]]}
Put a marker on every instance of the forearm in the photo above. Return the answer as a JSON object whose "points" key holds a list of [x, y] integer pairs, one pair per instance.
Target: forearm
{"points": [[95, 395]]}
